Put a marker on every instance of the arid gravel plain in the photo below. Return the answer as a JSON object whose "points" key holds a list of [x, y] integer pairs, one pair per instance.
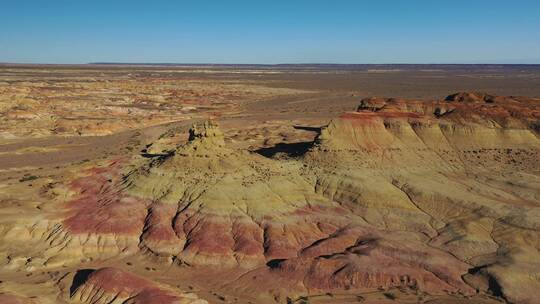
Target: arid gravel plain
{"points": [[269, 184]]}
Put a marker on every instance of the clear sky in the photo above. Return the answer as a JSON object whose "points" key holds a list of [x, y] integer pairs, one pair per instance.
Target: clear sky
{"points": [[266, 31]]}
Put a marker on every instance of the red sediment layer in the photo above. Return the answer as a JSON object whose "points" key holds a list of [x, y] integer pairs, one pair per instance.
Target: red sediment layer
{"points": [[380, 114], [248, 239], [100, 208], [158, 223], [356, 258], [460, 105], [208, 234]]}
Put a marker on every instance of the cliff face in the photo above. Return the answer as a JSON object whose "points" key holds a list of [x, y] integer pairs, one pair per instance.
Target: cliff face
{"points": [[459, 123], [436, 196]]}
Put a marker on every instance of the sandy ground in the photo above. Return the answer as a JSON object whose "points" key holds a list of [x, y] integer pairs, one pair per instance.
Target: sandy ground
{"points": [[57, 120], [257, 98]]}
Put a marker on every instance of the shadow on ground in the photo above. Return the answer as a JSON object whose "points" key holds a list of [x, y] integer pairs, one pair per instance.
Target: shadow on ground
{"points": [[80, 278], [290, 149]]}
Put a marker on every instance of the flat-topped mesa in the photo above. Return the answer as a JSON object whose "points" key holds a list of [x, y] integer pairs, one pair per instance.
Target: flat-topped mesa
{"points": [[366, 128], [397, 107], [513, 112], [465, 107], [473, 97], [390, 131]]}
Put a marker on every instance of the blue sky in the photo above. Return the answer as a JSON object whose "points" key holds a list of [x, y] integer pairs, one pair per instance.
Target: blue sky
{"points": [[436, 31]]}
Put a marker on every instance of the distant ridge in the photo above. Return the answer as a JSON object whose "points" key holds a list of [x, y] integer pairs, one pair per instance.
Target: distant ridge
{"points": [[300, 67], [330, 66], [312, 64]]}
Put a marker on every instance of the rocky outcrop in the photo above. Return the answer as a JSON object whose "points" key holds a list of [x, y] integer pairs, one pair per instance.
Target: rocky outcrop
{"points": [[216, 206]]}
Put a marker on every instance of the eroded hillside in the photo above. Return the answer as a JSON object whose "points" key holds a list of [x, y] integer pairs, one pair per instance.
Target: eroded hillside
{"points": [[406, 200]]}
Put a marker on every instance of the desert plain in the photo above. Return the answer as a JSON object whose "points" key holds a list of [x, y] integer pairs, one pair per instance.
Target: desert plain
{"points": [[269, 184]]}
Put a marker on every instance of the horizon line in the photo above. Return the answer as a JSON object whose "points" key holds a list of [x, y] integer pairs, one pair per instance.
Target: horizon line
{"points": [[254, 64]]}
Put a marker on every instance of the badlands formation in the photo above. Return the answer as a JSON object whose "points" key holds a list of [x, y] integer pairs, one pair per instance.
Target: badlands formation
{"points": [[399, 200]]}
